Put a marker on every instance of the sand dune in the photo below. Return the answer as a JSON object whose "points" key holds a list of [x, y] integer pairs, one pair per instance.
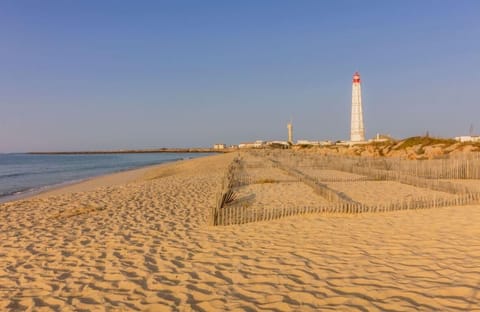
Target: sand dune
{"points": [[144, 245]]}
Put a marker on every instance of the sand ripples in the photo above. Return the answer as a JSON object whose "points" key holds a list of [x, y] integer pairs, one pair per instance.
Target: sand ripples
{"points": [[146, 246]]}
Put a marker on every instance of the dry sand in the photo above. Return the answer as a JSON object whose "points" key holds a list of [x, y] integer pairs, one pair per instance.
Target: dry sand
{"points": [[143, 244], [278, 195], [372, 192], [471, 185], [326, 175]]}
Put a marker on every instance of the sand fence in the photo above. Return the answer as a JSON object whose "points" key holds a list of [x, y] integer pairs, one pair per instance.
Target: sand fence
{"points": [[239, 214], [229, 212]]}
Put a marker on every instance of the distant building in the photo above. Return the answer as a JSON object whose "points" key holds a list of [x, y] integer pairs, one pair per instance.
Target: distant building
{"points": [[278, 144], [256, 144], [219, 146], [381, 138], [314, 143], [468, 138], [308, 142]]}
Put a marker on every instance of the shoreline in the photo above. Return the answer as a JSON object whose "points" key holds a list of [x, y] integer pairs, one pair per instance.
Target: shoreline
{"points": [[108, 179]]}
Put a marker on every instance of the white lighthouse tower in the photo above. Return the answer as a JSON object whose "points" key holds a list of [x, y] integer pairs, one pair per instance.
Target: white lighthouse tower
{"points": [[357, 131]]}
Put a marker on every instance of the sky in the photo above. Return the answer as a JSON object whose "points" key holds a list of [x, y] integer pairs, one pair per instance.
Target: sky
{"points": [[114, 74]]}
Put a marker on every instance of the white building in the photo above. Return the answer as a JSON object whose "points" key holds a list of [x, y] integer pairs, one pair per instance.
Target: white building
{"points": [[314, 143], [468, 138], [256, 144], [282, 144], [379, 138], [219, 146], [245, 145]]}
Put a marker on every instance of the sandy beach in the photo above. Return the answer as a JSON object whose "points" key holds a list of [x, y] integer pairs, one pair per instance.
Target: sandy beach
{"points": [[140, 241]]}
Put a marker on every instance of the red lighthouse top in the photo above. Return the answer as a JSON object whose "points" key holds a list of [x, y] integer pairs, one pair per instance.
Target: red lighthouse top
{"points": [[356, 77]]}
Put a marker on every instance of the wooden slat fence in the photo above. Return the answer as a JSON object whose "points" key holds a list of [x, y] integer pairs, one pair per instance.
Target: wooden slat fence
{"points": [[416, 174], [237, 214], [320, 188]]}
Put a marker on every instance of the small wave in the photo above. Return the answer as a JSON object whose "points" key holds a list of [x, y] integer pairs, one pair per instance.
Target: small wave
{"points": [[14, 192], [31, 173], [29, 191], [174, 159], [12, 175]]}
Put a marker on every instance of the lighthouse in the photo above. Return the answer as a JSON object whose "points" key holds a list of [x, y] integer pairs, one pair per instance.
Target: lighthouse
{"points": [[357, 131]]}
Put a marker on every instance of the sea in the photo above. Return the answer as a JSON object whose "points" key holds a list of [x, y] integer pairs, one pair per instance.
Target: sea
{"points": [[25, 174]]}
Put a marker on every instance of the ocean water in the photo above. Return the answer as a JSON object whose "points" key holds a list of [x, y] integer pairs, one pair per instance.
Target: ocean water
{"points": [[22, 174]]}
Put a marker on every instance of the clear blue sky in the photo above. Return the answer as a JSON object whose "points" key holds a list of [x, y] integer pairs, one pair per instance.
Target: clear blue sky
{"points": [[80, 75]]}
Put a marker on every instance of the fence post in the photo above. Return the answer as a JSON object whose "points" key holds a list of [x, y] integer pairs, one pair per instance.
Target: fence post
{"points": [[234, 215], [225, 212], [225, 216]]}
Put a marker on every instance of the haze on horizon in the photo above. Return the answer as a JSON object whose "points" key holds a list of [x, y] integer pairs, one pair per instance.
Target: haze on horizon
{"points": [[89, 75]]}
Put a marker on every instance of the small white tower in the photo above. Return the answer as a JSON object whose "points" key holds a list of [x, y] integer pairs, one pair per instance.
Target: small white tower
{"points": [[290, 132], [357, 131]]}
